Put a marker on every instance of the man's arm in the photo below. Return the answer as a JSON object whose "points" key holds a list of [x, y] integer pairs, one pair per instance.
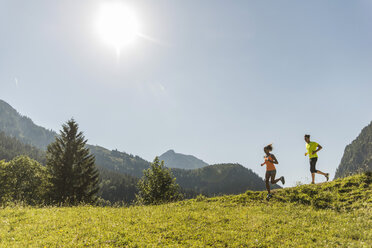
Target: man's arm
{"points": [[317, 150]]}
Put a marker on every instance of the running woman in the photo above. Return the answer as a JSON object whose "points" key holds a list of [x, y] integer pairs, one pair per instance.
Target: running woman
{"points": [[270, 160], [312, 149]]}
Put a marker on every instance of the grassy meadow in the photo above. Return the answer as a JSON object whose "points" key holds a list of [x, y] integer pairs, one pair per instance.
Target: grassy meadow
{"points": [[334, 214]]}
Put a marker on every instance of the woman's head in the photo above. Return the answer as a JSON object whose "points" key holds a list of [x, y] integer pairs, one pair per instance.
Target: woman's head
{"points": [[268, 148]]}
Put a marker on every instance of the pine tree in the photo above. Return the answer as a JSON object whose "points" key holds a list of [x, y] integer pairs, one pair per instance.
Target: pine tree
{"points": [[157, 185], [74, 177]]}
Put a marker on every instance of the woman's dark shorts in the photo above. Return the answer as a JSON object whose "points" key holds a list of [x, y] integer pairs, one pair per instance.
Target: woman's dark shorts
{"points": [[270, 174], [312, 165]]}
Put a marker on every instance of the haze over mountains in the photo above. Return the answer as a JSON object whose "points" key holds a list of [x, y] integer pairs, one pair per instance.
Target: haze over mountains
{"points": [[120, 171]]}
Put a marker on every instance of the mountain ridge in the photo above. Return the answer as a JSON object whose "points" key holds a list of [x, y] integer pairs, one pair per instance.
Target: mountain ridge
{"points": [[23, 128]]}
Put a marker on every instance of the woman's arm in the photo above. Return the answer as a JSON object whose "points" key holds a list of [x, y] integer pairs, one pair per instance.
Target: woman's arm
{"points": [[275, 161]]}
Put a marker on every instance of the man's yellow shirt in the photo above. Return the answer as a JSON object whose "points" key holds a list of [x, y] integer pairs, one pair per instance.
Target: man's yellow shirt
{"points": [[310, 147]]}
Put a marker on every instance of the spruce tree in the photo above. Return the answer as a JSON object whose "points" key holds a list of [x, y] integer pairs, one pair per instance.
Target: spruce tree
{"points": [[74, 177], [157, 185]]}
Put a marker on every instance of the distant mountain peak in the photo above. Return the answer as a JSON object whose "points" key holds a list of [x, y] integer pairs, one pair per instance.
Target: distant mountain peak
{"points": [[178, 160], [171, 151]]}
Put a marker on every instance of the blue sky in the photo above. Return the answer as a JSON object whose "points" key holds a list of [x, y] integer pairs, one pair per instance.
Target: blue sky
{"points": [[218, 79]]}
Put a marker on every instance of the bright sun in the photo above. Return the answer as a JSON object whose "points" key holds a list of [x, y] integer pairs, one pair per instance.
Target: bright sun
{"points": [[117, 25]]}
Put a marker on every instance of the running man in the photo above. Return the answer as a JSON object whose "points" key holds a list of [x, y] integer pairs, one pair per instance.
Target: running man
{"points": [[270, 160], [312, 149]]}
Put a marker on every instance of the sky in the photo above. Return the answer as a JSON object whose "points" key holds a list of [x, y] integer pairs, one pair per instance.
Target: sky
{"points": [[215, 79]]}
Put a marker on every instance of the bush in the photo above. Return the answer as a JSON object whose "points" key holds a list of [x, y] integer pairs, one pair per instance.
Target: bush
{"points": [[157, 185], [23, 180]]}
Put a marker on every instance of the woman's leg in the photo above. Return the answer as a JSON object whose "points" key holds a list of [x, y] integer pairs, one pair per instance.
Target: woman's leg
{"points": [[267, 179], [273, 180]]}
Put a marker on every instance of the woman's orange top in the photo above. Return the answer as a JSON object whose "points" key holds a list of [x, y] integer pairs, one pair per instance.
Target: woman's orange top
{"points": [[269, 165]]}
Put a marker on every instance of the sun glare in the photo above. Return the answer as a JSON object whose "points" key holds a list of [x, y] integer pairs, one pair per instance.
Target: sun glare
{"points": [[117, 25]]}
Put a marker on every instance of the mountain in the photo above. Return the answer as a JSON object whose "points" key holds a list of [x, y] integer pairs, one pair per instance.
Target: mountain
{"points": [[181, 161], [21, 127], [25, 130], [219, 179], [211, 180], [357, 156]]}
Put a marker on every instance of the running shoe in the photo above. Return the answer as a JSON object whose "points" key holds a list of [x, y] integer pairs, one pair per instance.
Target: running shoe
{"points": [[269, 196], [282, 179]]}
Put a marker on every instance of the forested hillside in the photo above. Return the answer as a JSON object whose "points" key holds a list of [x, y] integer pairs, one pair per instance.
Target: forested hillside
{"points": [[119, 161], [357, 157], [117, 187], [10, 148], [114, 186], [219, 179]]}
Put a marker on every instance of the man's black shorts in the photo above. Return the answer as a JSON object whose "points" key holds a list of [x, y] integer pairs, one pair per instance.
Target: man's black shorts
{"points": [[312, 165]]}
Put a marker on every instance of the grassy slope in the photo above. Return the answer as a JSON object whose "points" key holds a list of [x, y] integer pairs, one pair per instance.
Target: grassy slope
{"points": [[245, 220]]}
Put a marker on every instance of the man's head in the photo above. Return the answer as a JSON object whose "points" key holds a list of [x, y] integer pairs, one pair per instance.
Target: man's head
{"points": [[307, 138]]}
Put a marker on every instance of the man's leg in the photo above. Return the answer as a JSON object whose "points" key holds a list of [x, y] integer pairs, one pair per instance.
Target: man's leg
{"points": [[317, 171], [312, 169], [313, 178], [324, 174], [321, 173]]}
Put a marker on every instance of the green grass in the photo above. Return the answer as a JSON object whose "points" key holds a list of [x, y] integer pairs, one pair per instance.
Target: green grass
{"points": [[245, 220], [349, 193]]}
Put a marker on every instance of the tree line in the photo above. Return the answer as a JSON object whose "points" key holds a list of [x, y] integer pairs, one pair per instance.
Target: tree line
{"points": [[71, 177]]}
